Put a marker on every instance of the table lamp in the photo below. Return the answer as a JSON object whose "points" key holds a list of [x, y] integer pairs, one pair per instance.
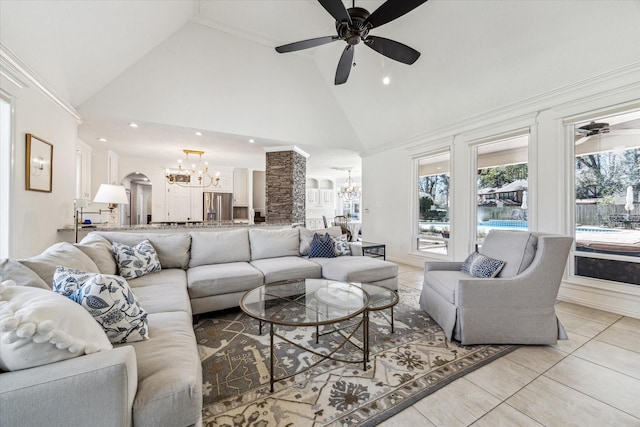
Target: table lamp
{"points": [[113, 195]]}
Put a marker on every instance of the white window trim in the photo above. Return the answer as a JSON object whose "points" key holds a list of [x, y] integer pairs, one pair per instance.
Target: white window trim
{"points": [[442, 146], [7, 149]]}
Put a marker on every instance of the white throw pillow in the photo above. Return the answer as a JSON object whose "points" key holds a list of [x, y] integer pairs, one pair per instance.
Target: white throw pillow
{"points": [[109, 299], [38, 327], [136, 261], [341, 245]]}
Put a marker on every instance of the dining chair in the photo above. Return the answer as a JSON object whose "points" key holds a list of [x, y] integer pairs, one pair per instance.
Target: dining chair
{"points": [[343, 223]]}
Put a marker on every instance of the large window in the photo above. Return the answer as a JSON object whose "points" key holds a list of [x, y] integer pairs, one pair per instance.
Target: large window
{"points": [[607, 210], [433, 204], [502, 185]]}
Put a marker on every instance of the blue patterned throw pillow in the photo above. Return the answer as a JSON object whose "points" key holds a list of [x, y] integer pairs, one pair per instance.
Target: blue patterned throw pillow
{"points": [[341, 245], [110, 301], [486, 267], [466, 265], [322, 247], [135, 261]]}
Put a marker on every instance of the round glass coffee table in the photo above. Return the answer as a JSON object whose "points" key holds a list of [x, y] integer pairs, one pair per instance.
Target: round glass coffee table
{"points": [[310, 302]]}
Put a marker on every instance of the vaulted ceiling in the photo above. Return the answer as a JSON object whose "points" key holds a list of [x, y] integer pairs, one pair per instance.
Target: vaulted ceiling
{"points": [[210, 65]]}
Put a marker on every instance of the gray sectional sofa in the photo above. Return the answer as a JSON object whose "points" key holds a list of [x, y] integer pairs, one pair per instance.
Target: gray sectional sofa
{"points": [[158, 381]]}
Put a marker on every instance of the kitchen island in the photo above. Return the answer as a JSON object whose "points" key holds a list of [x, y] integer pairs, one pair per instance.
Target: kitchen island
{"points": [[67, 234]]}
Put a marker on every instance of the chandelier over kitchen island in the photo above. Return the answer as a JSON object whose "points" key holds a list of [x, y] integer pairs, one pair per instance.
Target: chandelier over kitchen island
{"points": [[191, 174]]}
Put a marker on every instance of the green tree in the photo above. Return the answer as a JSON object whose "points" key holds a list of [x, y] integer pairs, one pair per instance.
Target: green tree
{"points": [[499, 176]]}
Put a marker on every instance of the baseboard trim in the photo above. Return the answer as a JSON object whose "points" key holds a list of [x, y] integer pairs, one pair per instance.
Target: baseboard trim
{"points": [[602, 299]]}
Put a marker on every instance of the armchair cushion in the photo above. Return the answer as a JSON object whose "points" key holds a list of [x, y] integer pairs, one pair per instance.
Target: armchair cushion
{"points": [[515, 248]]}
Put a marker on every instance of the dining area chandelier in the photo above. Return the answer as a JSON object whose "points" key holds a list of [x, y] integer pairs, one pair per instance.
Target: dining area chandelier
{"points": [[349, 191], [191, 174]]}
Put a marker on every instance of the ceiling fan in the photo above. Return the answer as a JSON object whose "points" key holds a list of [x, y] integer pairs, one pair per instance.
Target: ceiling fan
{"points": [[353, 26], [585, 132]]}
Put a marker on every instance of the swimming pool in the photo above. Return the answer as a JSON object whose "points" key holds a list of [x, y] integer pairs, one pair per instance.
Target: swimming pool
{"points": [[514, 225]]}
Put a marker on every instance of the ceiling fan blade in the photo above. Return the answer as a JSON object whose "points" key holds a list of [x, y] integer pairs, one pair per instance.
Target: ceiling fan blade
{"points": [[306, 44], [393, 49], [344, 66], [336, 9], [390, 10]]}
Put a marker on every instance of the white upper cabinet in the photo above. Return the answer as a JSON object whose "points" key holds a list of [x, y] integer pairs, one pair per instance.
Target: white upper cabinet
{"points": [[83, 171], [241, 187]]}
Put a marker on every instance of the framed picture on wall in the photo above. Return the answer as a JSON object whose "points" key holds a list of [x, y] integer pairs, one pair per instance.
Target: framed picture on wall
{"points": [[39, 164]]}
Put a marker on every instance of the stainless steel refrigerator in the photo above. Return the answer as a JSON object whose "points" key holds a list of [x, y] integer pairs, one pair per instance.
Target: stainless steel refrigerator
{"points": [[218, 207]]}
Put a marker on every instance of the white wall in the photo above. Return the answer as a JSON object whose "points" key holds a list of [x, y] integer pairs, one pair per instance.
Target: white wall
{"points": [[389, 189], [35, 216]]}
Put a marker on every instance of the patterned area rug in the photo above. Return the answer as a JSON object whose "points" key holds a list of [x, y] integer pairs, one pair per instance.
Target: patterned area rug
{"points": [[404, 367]]}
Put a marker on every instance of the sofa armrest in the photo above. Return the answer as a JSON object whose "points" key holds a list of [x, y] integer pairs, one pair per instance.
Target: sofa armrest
{"points": [[356, 248], [442, 265], [96, 389]]}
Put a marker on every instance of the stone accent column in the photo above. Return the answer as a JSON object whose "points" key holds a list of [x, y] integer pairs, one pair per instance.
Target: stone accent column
{"points": [[285, 190]]}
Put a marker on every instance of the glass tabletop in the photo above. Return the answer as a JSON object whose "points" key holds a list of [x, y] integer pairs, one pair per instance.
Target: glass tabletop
{"points": [[379, 297], [305, 302]]}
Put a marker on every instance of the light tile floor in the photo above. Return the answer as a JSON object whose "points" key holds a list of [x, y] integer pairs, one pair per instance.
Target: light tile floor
{"points": [[592, 379]]}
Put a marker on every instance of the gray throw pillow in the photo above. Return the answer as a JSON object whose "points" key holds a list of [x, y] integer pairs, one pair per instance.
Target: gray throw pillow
{"points": [[23, 276], [64, 254], [98, 249]]}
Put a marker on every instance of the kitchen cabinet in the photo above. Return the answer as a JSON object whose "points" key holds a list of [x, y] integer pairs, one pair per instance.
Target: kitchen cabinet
{"points": [[241, 187], [83, 171]]}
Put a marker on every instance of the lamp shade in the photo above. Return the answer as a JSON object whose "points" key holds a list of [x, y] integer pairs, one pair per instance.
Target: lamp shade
{"points": [[112, 194]]}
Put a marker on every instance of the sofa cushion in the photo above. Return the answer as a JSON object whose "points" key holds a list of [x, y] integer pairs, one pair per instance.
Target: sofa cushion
{"points": [[285, 268], [356, 269], [219, 279], [306, 236], [444, 282], [169, 373], [136, 261], [274, 243], [64, 254], [98, 249], [39, 327], [173, 276], [163, 291], [515, 247], [11, 269], [172, 249], [217, 247]]}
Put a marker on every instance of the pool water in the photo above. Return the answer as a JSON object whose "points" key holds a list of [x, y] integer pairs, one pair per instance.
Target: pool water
{"points": [[518, 225]]}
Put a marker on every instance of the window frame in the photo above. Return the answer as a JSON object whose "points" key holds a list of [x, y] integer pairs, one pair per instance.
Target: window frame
{"points": [[444, 147], [568, 124]]}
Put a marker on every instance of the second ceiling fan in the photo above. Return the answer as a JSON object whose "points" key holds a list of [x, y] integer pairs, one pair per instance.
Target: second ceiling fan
{"points": [[353, 26]]}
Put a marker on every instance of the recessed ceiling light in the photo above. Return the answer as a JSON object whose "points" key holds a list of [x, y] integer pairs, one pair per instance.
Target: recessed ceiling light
{"points": [[199, 133], [251, 141], [102, 139], [133, 125], [386, 80]]}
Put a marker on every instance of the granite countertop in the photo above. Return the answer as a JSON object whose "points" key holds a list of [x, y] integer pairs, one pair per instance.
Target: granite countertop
{"points": [[171, 226]]}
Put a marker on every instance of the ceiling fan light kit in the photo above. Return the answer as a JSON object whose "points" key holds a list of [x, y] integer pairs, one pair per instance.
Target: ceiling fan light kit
{"points": [[353, 26]]}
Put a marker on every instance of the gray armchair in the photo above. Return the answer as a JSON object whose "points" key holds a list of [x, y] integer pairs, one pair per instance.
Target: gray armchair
{"points": [[516, 307]]}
